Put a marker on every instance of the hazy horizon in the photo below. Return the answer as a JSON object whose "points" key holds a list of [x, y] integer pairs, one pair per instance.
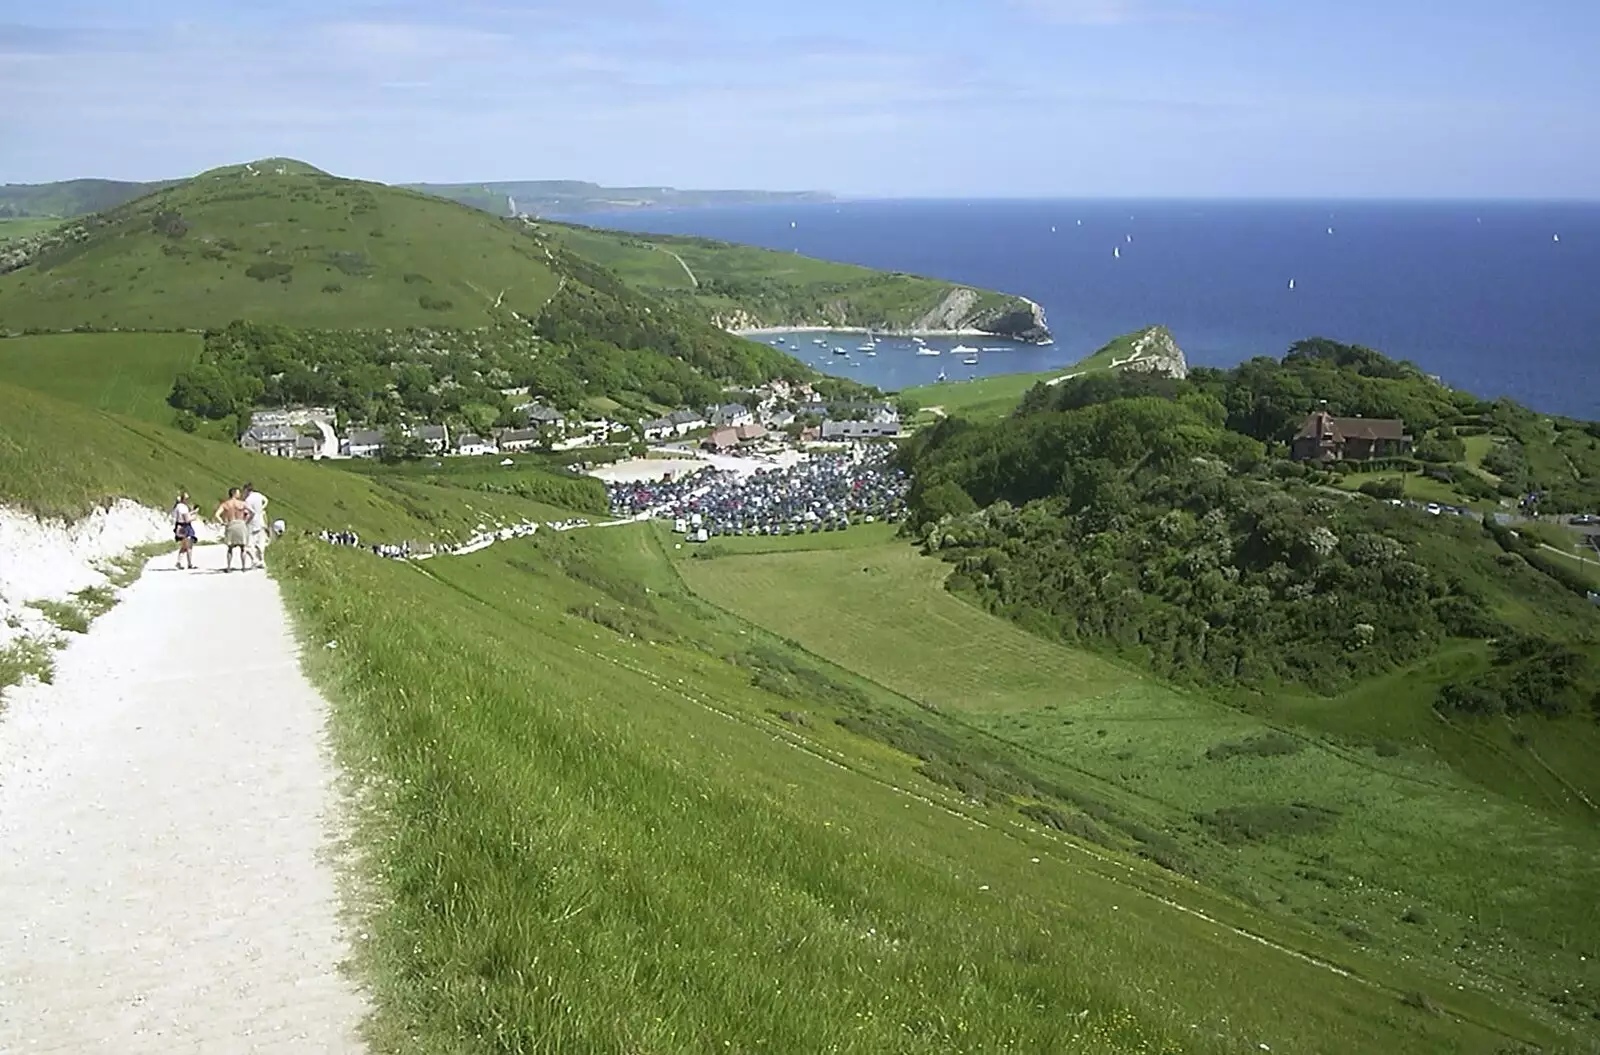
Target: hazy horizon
{"points": [[1028, 99]]}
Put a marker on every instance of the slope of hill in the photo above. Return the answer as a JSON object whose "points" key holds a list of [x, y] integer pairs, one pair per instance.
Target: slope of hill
{"points": [[744, 287], [536, 197], [277, 242], [69, 198], [577, 767], [1151, 349]]}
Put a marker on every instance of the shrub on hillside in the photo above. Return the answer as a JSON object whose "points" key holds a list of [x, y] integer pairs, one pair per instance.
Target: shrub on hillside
{"points": [[1389, 487], [266, 270], [428, 302], [1261, 821]]}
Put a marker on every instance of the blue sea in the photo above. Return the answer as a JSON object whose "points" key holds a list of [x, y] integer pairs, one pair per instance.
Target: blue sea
{"points": [[1498, 298]]}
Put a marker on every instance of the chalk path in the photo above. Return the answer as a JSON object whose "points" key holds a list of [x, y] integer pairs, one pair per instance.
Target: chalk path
{"points": [[165, 882]]}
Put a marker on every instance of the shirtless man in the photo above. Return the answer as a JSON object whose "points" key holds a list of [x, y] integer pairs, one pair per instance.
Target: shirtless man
{"points": [[235, 516]]}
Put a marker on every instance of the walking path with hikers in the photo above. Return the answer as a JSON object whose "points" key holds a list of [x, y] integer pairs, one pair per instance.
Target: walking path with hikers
{"points": [[167, 817]]}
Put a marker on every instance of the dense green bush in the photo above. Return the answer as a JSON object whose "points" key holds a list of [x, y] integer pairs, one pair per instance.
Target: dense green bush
{"points": [[266, 270]]}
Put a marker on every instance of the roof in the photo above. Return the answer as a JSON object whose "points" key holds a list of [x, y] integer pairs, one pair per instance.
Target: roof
{"points": [[365, 438], [472, 440], [684, 417], [750, 432], [271, 434], [658, 423], [308, 443], [1320, 425], [428, 432], [724, 438], [519, 436], [540, 412]]}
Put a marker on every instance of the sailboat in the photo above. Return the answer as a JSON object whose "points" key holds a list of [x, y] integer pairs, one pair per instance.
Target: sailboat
{"points": [[1330, 230], [1052, 228], [925, 350], [1291, 283], [962, 349], [1117, 252], [941, 375], [1555, 238]]}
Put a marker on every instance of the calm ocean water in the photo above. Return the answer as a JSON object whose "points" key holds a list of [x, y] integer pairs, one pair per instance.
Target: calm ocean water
{"points": [[1483, 295]]}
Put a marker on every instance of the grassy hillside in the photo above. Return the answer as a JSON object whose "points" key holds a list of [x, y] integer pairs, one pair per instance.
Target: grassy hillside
{"points": [[992, 398], [59, 459], [16, 230], [124, 373], [300, 248], [749, 287], [69, 198], [1391, 851], [630, 821]]}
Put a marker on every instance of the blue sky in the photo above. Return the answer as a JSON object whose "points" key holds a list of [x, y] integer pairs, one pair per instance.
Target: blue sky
{"points": [[1237, 98]]}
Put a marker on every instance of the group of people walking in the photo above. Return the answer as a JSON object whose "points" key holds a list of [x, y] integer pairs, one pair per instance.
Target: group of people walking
{"points": [[243, 516]]}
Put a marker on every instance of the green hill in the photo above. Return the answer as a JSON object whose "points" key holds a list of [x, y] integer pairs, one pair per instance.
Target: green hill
{"points": [[744, 287], [283, 243], [69, 198], [810, 801]]}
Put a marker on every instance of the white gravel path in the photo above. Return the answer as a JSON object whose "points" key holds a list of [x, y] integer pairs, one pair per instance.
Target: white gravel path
{"points": [[165, 841]]}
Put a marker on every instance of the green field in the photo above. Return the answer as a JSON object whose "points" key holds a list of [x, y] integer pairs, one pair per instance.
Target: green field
{"points": [[616, 823], [992, 398], [1409, 837], [13, 229], [123, 373], [982, 398], [301, 248]]}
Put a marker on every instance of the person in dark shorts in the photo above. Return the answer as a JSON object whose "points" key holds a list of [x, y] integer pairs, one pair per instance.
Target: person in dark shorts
{"points": [[183, 530]]}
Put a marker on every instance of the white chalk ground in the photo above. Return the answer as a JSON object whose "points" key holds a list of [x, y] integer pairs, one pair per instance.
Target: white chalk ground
{"points": [[48, 560], [166, 814], [637, 470]]}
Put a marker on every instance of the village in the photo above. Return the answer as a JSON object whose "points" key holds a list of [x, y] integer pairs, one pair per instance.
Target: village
{"points": [[774, 417]]}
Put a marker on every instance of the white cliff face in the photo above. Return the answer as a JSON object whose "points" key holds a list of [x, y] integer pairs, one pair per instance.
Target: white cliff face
{"points": [[1155, 352], [951, 313], [50, 560]]}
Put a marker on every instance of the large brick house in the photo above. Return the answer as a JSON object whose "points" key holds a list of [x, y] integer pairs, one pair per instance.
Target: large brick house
{"points": [[1325, 438]]}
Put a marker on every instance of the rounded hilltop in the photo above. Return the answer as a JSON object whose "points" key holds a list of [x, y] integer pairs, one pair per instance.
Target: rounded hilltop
{"points": [[264, 167]]}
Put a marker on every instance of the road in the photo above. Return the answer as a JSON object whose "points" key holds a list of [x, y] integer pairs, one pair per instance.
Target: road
{"points": [[167, 809]]}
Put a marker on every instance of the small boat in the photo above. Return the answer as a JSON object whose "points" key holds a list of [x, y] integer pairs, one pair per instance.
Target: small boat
{"points": [[869, 346], [1130, 239], [1052, 228], [1555, 238], [925, 350], [1117, 252], [970, 361], [918, 340], [818, 340], [962, 349], [995, 349], [941, 376], [1291, 283], [782, 340], [872, 353], [1330, 230], [839, 351]]}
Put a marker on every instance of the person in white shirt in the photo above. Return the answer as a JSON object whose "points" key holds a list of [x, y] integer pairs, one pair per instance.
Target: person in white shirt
{"points": [[256, 503], [183, 530]]}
